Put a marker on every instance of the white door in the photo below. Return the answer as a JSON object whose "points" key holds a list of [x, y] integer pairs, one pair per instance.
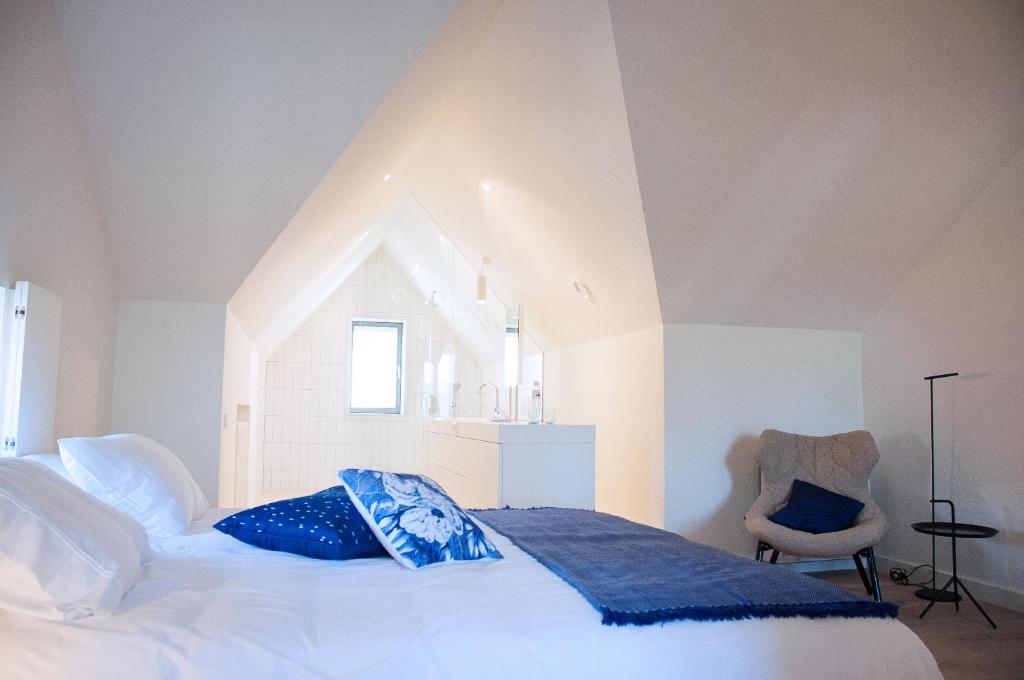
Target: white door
{"points": [[30, 335]]}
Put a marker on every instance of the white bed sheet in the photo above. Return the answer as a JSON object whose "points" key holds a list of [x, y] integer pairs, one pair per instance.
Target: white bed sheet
{"points": [[210, 607]]}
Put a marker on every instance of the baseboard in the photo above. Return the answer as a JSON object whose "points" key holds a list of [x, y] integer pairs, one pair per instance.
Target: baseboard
{"points": [[983, 590]]}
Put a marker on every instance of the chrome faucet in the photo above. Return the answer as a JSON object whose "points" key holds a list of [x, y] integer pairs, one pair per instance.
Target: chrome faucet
{"points": [[497, 414]]}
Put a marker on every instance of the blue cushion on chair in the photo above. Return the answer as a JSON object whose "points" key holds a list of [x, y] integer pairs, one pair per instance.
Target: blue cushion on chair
{"points": [[816, 510], [325, 525]]}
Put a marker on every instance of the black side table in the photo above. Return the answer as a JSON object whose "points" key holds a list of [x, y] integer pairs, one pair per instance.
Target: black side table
{"points": [[952, 530]]}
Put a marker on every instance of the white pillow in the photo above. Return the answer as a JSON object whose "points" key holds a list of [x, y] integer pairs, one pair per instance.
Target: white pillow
{"points": [[63, 553], [52, 461], [138, 476], [200, 503]]}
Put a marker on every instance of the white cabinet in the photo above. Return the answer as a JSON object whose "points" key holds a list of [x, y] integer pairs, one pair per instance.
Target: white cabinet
{"points": [[29, 359], [490, 465]]}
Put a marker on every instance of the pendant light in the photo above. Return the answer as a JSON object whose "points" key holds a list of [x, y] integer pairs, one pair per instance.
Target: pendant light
{"points": [[481, 281]]}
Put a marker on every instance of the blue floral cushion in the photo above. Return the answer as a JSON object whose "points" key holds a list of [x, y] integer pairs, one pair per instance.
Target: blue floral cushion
{"points": [[415, 520], [325, 525], [816, 510]]}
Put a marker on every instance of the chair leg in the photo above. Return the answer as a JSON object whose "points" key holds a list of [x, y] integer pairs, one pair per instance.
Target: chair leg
{"points": [[875, 581], [863, 574], [761, 547], [775, 556]]}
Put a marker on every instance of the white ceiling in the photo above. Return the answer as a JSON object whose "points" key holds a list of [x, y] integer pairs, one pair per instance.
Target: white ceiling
{"points": [[343, 218], [541, 119], [524, 95], [209, 123], [776, 163], [435, 267], [796, 159]]}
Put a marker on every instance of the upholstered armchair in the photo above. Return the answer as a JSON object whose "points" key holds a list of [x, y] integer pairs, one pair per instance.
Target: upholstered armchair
{"points": [[841, 463]]}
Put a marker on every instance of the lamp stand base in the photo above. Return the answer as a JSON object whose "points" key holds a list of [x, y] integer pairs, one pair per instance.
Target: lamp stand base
{"points": [[934, 594]]}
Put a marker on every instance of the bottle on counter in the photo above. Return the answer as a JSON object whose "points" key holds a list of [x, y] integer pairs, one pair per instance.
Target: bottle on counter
{"points": [[535, 404]]}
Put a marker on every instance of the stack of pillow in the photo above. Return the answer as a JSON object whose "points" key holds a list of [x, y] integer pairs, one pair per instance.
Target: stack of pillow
{"points": [[75, 531], [370, 514]]}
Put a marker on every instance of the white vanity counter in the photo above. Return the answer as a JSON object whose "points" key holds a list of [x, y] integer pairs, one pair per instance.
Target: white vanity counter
{"points": [[484, 464]]}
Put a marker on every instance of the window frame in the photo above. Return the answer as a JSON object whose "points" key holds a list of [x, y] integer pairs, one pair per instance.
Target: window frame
{"points": [[399, 325]]}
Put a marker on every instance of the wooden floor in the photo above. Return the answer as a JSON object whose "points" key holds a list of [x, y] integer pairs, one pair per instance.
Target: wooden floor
{"points": [[963, 643]]}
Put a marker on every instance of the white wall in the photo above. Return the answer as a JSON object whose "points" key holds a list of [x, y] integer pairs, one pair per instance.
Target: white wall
{"points": [[308, 434], [617, 384], [723, 386], [240, 388], [168, 380], [51, 224], [962, 310]]}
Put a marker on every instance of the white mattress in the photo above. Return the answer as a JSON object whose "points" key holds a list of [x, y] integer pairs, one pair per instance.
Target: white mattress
{"points": [[210, 607]]}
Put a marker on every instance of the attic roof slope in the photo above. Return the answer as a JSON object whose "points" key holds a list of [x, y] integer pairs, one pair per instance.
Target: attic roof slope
{"points": [[796, 159]]}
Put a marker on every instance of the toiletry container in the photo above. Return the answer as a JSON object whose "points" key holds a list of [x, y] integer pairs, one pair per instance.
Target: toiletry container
{"points": [[535, 403]]}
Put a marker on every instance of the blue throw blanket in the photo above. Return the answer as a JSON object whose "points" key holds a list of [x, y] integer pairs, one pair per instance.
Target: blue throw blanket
{"points": [[638, 575]]}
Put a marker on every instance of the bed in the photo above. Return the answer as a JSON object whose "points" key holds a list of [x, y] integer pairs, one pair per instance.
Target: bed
{"points": [[208, 606]]}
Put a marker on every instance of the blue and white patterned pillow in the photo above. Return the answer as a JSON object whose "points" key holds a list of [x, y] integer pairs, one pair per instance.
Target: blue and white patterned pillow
{"points": [[325, 525], [414, 519]]}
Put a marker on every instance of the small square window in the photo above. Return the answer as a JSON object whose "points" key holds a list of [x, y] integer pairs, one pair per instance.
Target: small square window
{"points": [[375, 380]]}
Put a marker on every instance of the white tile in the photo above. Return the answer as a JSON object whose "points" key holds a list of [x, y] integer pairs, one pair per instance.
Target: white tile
{"points": [[317, 324], [314, 403], [314, 349], [322, 377], [307, 435]]}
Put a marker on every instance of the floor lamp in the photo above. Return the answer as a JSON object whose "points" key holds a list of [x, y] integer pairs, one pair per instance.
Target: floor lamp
{"points": [[934, 593], [951, 530]]}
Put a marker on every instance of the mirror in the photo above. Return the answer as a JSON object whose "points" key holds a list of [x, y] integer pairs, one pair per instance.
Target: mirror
{"points": [[512, 365], [531, 369], [531, 366]]}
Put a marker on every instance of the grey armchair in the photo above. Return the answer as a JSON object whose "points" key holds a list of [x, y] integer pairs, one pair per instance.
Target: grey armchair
{"points": [[840, 463]]}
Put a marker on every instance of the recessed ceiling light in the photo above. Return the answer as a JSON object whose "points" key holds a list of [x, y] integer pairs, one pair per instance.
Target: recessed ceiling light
{"points": [[486, 186], [583, 290], [387, 177], [442, 239]]}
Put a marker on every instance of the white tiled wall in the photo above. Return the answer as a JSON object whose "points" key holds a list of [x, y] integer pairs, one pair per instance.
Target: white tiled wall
{"points": [[308, 434]]}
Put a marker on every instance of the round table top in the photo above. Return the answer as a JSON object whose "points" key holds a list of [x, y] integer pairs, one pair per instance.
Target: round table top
{"points": [[962, 530]]}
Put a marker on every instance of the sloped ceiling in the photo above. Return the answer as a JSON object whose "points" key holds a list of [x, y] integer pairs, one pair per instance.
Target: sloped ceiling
{"points": [[209, 123], [778, 163], [539, 116], [525, 97], [342, 220], [797, 158]]}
